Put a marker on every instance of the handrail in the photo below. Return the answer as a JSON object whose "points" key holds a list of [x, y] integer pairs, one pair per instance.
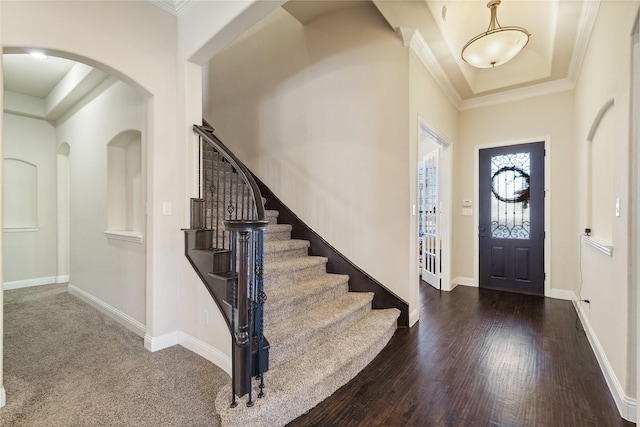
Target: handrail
{"points": [[206, 132]]}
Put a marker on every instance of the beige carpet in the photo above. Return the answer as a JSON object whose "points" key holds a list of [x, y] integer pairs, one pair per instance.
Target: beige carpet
{"points": [[66, 364]]}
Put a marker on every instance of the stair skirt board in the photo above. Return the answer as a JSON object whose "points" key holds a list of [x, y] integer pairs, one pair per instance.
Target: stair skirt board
{"points": [[124, 319]]}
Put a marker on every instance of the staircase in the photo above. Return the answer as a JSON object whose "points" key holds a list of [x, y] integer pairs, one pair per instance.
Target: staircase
{"points": [[319, 334]]}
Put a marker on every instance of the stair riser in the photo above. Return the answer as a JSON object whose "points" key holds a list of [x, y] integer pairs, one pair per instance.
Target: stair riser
{"points": [[283, 352], [274, 314], [279, 235], [282, 255], [271, 218], [289, 278]]}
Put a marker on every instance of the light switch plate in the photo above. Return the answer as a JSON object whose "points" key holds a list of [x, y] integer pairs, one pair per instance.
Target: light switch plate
{"points": [[618, 207], [467, 211], [167, 208]]}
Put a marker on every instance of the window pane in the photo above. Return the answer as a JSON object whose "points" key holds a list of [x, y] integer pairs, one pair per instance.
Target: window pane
{"points": [[510, 196]]}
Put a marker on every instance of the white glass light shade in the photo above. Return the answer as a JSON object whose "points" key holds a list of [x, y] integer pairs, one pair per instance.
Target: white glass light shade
{"points": [[495, 47]]}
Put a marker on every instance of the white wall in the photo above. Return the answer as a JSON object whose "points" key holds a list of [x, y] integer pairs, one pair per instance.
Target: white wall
{"points": [[429, 104], [139, 43], [3, 396], [605, 74], [319, 113], [528, 120], [135, 41], [63, 211], [30, 256], [111, 270]]}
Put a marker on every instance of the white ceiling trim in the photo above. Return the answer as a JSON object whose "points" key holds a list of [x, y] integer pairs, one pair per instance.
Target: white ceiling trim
{"points": [[517, 94], [174, 7], [585, 28], [411, 37]]}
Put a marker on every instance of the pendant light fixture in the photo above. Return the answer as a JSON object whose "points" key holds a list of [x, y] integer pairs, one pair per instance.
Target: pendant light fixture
{"points": [[497, 45]]}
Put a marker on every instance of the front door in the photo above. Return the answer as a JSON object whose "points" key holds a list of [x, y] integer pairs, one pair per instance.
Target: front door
{"points": [[511, 222]]}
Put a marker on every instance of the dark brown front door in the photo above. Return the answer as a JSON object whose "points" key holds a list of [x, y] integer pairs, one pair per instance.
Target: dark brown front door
{"points": [[511, 222]]}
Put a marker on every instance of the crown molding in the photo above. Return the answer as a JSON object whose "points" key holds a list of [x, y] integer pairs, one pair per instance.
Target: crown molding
{"points": [[174, 7], [517, 94], [411, 37], [585, 28]]}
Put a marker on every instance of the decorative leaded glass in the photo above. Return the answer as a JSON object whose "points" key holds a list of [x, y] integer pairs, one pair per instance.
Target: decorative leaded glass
{"points": [[510, 213]]}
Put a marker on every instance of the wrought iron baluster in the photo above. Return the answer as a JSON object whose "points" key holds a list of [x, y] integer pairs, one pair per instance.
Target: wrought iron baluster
{"points": [[251, 307], [261, 298], [219, 163], [234, 304]]}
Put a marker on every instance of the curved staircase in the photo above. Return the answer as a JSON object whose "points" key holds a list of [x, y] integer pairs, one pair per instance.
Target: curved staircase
{"points": [[317, 334], [321, 334]]}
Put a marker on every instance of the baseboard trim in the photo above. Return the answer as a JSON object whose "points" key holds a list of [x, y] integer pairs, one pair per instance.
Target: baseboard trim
{"points": [[3, 397], [117, 315], [627, 406], [27, 283], [161, 342], [414, 316], [62, 279], [205, 350], [563, 294], [464, 281]]}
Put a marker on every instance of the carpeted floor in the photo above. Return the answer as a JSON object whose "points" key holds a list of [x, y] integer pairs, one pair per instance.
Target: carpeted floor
{"points": [[67, 364]]}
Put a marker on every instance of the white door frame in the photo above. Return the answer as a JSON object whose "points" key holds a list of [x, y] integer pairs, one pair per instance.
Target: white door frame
{"points": [[445, 191], [547, 211]]}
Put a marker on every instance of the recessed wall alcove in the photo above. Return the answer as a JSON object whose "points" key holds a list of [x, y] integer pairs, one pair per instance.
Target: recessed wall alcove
{"points": [[125, 190], [20, 195], [601, 200]]}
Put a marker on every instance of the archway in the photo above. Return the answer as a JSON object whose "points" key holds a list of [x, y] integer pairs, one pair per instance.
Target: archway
{"points": [[73, 153]]}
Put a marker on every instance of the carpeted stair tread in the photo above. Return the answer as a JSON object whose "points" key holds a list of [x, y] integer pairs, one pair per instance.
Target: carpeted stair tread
{"points": [[285, 245], [295, 387], [283, 303], [271, 215], [299, 263], [278, 250], [298, 334], [277, 232], [276, 228], [289, 272]]}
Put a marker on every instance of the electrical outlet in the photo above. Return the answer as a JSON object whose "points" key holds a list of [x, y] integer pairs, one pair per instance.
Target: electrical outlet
{"points": [[205, 316]]}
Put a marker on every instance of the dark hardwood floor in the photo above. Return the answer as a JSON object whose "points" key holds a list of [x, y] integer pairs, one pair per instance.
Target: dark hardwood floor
{"points": [[478, 358]]}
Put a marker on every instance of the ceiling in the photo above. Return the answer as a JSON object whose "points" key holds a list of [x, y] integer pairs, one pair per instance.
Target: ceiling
{"points": [[45, 87], [33, 76], [435, 29], [439, 29]]}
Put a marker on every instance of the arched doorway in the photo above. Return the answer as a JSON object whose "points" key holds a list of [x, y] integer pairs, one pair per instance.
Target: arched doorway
{"points": [[65, 129]]}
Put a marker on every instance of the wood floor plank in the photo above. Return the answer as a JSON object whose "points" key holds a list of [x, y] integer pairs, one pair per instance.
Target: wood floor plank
{"points": [[478, 357]]}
